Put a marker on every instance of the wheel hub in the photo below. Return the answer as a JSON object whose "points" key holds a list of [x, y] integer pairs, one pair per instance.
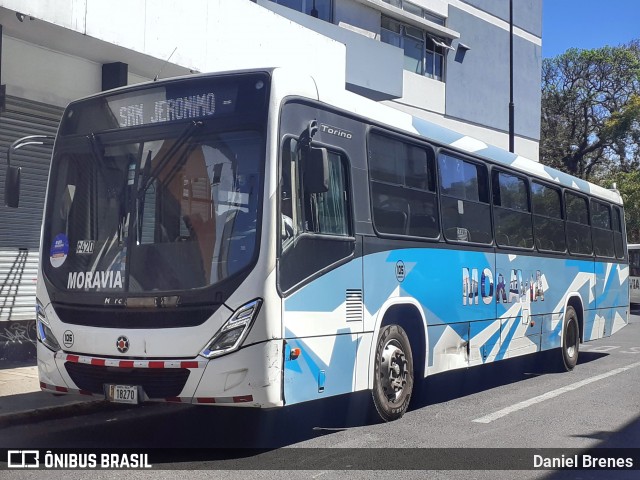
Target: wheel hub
{"points": [[393, 371], [572, 337]]}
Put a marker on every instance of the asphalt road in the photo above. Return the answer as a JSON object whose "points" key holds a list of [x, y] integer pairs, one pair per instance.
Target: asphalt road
{"points": [[510, 404]]}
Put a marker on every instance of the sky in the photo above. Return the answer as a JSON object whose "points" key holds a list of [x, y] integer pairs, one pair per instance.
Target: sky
{"points": [[588, 24]]}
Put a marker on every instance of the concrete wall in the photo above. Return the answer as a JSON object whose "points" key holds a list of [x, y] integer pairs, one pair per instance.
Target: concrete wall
{"points": [[527, 14], [379, 79], [205, 34], [356, 14], [47, 76], [478, 83], [423, 93]]}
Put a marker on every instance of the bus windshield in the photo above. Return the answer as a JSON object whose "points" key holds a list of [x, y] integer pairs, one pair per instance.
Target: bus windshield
{"points": [[168, 207], [159, 214]]}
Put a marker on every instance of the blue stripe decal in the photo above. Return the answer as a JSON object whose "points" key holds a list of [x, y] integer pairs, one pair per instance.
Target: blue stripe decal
{"points": [[491, 341], [495, 153], [435, 132], [505, 345]]}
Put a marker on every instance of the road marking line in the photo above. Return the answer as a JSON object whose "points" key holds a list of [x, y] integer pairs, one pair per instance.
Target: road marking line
{"points": [[552, 394]]}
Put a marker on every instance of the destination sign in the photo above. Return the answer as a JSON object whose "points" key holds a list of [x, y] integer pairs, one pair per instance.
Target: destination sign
{"points": [[158, 106], [188, 99]]}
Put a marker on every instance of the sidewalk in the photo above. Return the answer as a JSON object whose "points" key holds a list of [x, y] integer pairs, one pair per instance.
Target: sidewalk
{"points": [[21, 399]]}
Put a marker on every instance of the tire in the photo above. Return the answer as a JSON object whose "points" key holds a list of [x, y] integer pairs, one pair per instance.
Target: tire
{"points": [[393, 373], [570, 340]]}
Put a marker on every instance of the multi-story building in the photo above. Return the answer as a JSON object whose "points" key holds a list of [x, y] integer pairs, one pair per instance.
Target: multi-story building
{"points": [[443, 60]]}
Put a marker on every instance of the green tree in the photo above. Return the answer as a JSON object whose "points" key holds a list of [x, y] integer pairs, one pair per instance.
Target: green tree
{"points": [[591, 110]]}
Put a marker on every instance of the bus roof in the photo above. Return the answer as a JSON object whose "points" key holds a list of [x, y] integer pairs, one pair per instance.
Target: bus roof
{"points": [[449, 138]]}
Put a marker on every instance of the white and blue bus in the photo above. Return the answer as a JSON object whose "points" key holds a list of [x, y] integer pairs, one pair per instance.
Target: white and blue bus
{"points": [[259, 239]]}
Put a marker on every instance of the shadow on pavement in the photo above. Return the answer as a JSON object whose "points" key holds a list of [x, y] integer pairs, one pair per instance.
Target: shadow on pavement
{"points": [[624, 444], [447, 386]]}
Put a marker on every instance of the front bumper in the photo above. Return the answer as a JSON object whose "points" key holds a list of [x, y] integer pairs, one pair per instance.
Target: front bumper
{"points": [[251, 376]]}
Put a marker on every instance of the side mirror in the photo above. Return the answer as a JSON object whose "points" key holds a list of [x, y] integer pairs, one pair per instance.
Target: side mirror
{"points": [[316, 170], [12, 187], [12, 179]]}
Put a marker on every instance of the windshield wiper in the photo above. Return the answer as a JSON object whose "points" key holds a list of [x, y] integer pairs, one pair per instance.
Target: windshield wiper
{"points": [[149, 175], [98, 156], [184, 137], [95, 144], [146, 175]]}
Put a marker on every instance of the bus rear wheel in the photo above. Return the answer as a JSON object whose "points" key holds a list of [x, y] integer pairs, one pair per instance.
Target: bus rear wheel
{"points": [[570, 340], [393, 373]]}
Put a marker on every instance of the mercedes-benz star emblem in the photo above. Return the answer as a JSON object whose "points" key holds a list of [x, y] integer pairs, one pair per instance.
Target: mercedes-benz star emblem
{"points": [[122, 344]]}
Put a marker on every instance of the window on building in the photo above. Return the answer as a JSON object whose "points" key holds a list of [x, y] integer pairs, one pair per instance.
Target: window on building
{"points": [[423, 53], [321, 9], [417, 10]]}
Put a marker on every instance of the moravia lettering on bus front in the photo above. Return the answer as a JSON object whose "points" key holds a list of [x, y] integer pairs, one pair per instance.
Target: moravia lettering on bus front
{"points": [[520, 289], [110, 280]]}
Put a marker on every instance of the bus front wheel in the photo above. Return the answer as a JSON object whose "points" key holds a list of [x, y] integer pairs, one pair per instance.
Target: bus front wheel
{"points": [[393, 373], [570, 340]]}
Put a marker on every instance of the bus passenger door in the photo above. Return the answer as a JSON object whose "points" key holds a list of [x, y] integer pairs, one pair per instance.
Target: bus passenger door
{"points": [[319, 273]]}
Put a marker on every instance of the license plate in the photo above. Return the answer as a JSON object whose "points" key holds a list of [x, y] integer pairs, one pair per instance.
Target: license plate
{"points": [[122, 393]]}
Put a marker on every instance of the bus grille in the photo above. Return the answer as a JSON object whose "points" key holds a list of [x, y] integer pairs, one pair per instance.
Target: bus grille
{"points": [[157, 383], [115, 317]]}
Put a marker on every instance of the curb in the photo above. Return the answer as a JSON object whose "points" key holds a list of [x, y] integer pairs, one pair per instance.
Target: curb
{"points": [[80, 407]]}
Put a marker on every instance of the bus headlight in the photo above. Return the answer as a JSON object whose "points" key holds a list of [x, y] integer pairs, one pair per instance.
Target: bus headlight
{"points": [[45, 335], [234, 331]]}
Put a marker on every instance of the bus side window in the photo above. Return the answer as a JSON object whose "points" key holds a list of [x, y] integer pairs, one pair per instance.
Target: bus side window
{"points": [[315, 226], [464, 193], [618, 236], [403, 194], [547, 218], [578, 229], [511, 210], [302, 211], [602, 231], [327, 212]]}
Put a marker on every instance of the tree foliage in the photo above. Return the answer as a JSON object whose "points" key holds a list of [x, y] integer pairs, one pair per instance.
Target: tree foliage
{"points": [[591, 110]]}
